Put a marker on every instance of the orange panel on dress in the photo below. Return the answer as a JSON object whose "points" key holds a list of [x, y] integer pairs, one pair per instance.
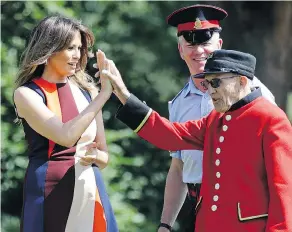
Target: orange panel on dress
{"points": [[99, 223], [51, 93]]}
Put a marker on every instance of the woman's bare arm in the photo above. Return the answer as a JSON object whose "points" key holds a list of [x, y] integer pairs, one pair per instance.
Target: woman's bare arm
{"points": [[30, 106]]}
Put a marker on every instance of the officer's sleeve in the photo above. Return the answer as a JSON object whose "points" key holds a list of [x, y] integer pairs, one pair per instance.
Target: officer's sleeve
{"points": [[173, 154], [265, 91], [278, 159], [159, 131]]}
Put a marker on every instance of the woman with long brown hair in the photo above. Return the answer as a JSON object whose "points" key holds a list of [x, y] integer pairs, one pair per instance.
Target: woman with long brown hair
{"points": [[60, 110]]}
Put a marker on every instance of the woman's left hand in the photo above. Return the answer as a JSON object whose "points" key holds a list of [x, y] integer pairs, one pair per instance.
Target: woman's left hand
{"points": [[94, 156]]}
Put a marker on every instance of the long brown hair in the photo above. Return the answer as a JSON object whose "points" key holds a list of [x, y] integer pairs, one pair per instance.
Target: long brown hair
{"points": [[51, 35]]}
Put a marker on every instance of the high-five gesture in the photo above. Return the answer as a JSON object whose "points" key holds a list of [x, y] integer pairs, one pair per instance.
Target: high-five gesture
{"points": [[109, 72]]}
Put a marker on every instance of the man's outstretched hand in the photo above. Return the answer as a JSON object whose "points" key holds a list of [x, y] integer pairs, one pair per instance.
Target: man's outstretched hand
{"points": [[110, 72]]}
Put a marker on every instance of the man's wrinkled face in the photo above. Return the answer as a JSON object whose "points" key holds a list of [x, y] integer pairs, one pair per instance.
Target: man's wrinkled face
{"points": [[225, 91], [195, 55]]}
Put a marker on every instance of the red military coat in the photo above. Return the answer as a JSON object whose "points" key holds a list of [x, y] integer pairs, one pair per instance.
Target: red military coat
{"points": [[247, 162]]}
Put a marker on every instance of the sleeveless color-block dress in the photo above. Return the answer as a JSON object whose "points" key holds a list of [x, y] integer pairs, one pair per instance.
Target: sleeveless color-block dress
{"points": [[61, 195]]}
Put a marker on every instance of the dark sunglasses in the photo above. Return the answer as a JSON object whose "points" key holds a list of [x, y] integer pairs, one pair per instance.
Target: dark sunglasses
{"points": [[215, 82], [198, 36]]}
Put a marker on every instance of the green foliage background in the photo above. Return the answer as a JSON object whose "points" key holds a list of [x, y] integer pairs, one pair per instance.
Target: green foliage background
{"points": [[135, 35]]}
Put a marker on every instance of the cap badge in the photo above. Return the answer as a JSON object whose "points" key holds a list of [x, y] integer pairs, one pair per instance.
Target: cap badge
{"points": [[198, 24]]}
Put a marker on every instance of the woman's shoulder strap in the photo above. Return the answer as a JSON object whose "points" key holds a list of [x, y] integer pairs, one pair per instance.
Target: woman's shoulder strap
{"points": [[86, 94], [33, 86]]}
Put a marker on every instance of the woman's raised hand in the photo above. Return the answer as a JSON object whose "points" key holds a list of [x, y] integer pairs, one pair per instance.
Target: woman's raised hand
{"points": [[103, 64]]}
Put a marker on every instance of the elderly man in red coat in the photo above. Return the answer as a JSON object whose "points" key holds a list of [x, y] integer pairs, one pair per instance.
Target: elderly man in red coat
{"points": [[247, 144]]}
